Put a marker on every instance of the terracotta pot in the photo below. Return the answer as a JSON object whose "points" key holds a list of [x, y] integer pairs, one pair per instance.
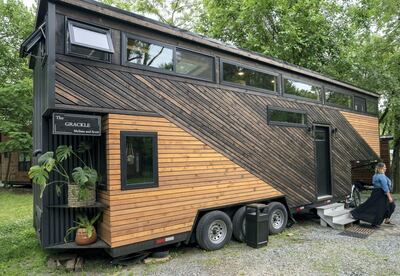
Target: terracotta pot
{"points": [[81, 237]]}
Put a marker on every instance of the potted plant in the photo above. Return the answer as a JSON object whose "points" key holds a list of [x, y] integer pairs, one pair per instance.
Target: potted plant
{"points": [[85, 230], [81, 180]]}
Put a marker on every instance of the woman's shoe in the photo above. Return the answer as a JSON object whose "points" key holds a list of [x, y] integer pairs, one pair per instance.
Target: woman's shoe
{"points": [[389, 223]]}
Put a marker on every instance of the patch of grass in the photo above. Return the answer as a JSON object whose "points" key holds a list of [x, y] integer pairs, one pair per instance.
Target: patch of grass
{"points": [[20, 250], [330, 262], [369, 255], [211, 262], [329, 266]]}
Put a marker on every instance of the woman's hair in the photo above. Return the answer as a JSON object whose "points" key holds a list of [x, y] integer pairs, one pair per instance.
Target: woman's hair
{"points": [[379, 166]]}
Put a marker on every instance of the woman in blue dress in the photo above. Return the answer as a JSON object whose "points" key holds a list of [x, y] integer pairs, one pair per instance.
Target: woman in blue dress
{"points": [[380, 205]]}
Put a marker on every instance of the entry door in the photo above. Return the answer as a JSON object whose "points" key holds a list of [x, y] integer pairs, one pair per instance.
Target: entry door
{"points": [[323, 161]]}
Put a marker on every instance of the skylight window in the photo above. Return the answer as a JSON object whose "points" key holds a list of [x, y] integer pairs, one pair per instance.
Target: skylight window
{"points": [[89, 41]]}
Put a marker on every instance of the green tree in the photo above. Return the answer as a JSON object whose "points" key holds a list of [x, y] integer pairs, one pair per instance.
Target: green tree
{"points": [[307, 33], [16, 23], [180, 13]]}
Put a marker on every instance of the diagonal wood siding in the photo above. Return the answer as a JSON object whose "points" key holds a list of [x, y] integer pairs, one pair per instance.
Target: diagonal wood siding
{"points": [[230, 121], [367, 127], [192, 176]]}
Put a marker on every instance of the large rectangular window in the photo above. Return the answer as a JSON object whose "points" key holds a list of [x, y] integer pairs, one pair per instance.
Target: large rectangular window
{"points": [[339, 99], [194, 64], [142, 52], [359, 104], [89, 41], [279, 116], [139, 160], [247, 77], [372, 106], [301, 89], [149, 54]]}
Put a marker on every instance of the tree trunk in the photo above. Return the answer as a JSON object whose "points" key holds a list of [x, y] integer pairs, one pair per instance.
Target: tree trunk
{"points": [[395, 168], [7, 178]]}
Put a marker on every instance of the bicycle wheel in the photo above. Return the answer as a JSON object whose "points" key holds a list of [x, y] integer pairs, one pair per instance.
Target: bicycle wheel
{"points": [[356, 197]]}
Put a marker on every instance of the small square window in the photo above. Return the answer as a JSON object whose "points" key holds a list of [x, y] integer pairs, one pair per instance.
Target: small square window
{"points": [[372, 106], [138, 160], [359, 104], [24, 161], [89, 41]]}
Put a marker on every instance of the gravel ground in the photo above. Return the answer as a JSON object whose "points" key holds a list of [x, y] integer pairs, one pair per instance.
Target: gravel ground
{"points": [[304, 249]]}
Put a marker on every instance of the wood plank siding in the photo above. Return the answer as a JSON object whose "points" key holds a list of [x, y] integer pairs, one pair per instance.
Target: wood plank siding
{"points": [[367, 127], [231, 121], [192, 176]]}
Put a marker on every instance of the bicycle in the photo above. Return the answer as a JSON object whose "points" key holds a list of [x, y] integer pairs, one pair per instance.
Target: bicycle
{"points": [[354, 200]]}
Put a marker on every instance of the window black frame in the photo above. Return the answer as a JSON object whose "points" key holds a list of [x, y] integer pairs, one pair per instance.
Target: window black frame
{"points": [[124, 61], [365, 104], [90, 27], [238, 85], [288, 95], [286, 124], [376, 102], [106, 31], [328, 89], [102, 166], [124, 184], [23, 166], [196, 53]]}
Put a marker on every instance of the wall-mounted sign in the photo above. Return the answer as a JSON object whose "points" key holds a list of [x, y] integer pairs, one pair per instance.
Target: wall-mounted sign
{"points": [[76, 124]]}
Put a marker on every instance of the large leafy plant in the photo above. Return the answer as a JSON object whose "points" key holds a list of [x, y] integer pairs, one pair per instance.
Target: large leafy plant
{"points": [[85, 223], [84, 176]]}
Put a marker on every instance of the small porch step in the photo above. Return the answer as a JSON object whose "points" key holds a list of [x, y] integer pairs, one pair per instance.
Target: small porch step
{"points": [[335, 215], [330, 206]]}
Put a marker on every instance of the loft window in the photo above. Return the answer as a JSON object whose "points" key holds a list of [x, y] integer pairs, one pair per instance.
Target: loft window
{"points": [[302, 90], [24, 161], [138, 160], [359, 104], [372, 106], [149, 54], [194, 64], [89, 41], [338, 99], [283, 117], [247, 77]]}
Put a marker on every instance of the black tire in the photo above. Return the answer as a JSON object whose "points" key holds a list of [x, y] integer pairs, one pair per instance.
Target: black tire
{"points": [[220, 227], [239, 224], [278, 217]]}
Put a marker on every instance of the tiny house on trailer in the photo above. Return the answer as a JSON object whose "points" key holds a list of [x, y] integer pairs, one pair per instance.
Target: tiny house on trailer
{"points": [[190, 129]]}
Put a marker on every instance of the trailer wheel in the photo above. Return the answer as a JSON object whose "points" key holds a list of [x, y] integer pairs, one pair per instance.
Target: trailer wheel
{"points": [[239, 224], [214, 230], [278, 217]]}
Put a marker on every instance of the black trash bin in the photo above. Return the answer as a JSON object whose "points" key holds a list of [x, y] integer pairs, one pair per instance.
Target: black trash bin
{"points": [[257, 229]]}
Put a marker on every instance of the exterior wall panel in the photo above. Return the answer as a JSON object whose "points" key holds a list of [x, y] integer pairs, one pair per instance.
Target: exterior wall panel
{"points": [[192, 176], [367, 127], [231, 121]]}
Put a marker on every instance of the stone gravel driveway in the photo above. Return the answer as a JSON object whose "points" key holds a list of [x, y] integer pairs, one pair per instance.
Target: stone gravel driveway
{"points": [[304, 249]]}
